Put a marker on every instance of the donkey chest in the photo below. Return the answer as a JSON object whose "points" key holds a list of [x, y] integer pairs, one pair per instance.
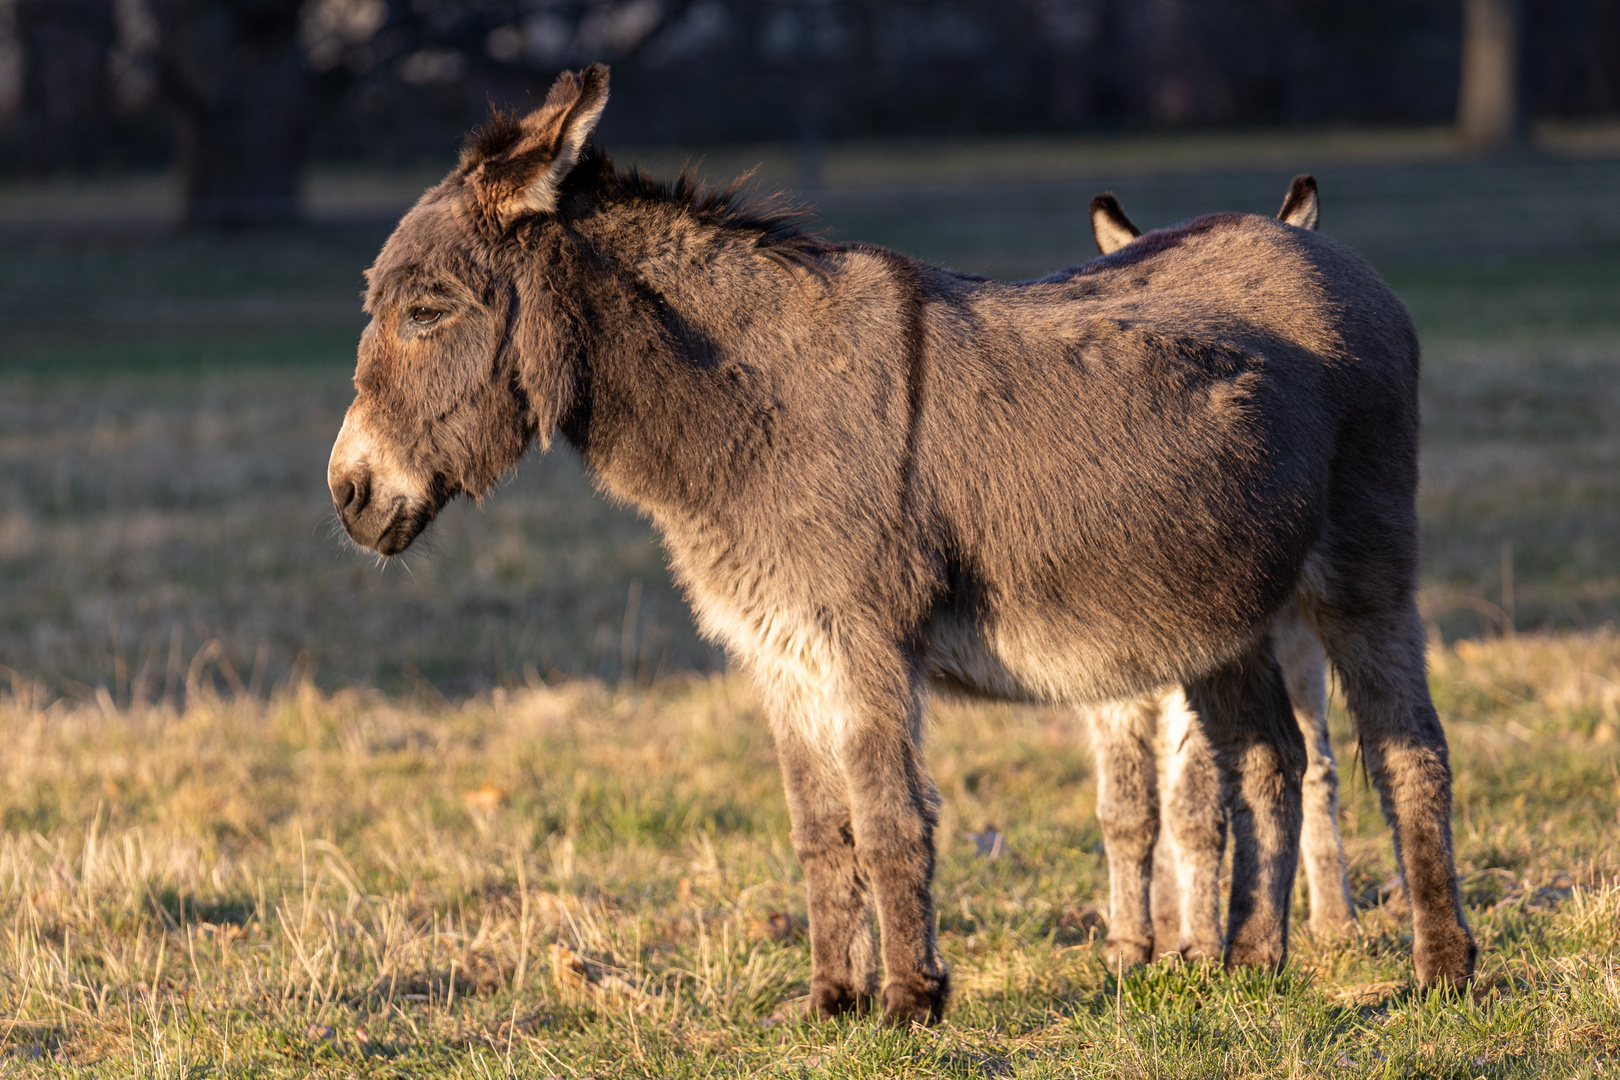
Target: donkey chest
{"points": [[771, 609]]}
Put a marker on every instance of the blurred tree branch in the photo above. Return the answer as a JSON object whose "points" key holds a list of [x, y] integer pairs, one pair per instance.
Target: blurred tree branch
{"points": [[256, 86], [245, 78]]}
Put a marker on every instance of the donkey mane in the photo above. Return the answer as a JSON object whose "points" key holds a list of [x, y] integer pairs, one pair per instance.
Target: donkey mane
{"points": [[775, 219], [777, 222]]}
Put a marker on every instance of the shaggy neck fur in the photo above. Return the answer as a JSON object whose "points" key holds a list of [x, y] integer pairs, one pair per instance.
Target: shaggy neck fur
{"points": [[664, 282]]}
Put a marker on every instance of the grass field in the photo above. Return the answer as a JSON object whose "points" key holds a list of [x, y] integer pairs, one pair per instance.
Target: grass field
{"points": [[494, 809], [579, 881]]}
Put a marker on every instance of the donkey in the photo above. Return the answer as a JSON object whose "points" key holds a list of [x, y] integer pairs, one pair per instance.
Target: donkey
{"points": [[1159, 799], [869, 472], [1112, 229]]}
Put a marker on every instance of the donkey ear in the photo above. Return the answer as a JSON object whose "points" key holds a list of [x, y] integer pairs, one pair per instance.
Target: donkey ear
{"points": [[1299, 206], [516, 169], [1109, 226]]}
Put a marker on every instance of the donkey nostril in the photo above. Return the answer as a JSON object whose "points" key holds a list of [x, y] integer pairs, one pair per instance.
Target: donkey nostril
{"points": [[352, 494]]}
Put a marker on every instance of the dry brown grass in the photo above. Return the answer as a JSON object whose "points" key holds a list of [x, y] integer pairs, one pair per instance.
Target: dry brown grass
{"points": [[567, 878]]}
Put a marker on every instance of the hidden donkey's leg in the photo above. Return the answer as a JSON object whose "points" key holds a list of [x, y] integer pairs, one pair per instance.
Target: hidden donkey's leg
{"points": [[1193, 828], [1261, 759], [1122, 744], [1166, 903], [1303, 662]]}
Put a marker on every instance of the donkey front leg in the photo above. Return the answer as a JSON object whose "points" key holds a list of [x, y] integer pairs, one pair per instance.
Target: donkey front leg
{"points": [[843, 964], [864, 811], [1166, 890], [894, 810], [1261, 758]]}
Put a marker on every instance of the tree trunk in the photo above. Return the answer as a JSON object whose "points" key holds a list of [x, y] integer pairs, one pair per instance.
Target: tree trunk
{"points": [[64, 47], [243, 98], [1488, 108]]}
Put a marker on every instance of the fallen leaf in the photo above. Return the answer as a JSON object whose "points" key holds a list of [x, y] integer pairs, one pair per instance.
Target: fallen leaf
{"points": [[484, 800], [568, 971], [778, 926]]}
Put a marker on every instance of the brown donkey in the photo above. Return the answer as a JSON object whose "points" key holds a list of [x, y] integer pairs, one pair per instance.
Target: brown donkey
{"points": [[869, 472], [1159, 797]]}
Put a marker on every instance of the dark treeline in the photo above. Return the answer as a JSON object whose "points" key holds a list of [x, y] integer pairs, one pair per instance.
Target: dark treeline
{"points": [[243, 92]]}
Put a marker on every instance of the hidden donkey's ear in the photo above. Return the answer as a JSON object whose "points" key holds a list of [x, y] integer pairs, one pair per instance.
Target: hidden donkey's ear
{"points": [[1299, 205], [516, 166], [1109, 226]]}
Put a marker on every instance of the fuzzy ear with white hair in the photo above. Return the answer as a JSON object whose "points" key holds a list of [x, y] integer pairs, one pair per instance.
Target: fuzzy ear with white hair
{"points": [[1109, 226], [1300, 206], [515, 167]]}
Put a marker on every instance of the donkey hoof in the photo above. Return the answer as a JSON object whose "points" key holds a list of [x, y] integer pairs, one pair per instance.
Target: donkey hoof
{"points": [[829, 1000], [1445, 961], [920, 1001]]}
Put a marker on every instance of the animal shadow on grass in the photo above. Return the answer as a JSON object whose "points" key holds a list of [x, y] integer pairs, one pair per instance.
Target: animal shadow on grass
{"points": [[176, 909]]}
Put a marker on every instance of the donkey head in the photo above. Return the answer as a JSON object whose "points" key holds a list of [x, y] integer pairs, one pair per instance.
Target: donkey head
{"points": [[465, 360]]}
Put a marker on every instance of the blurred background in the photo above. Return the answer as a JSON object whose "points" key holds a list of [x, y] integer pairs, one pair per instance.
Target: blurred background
{"points": [[189, 190]]}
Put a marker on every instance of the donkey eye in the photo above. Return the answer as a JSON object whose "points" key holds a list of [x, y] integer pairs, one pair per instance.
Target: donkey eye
{"points": [[425, 316]]}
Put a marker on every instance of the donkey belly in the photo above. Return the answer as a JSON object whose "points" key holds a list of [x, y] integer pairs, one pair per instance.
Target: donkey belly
{"points": [[1048, 656]]}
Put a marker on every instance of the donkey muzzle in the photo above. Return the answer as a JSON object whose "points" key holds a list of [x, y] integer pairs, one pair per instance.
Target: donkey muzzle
{"points": [[386, 523], [377, 502]]}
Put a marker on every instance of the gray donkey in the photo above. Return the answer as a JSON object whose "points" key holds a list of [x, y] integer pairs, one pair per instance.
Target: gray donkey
{"points": [[869, 472], [1159, 798]]}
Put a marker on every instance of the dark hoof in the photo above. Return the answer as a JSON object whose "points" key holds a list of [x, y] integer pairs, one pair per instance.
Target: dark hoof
{"points": [[921, 1001], [828, 1001], [1445, 962]]}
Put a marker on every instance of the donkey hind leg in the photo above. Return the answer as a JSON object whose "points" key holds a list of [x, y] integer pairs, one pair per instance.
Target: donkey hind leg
{"points": [[1192, 824], [1303, 663], [1122, 736], [1261, 759], [843, 963], [1381, 665]]}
